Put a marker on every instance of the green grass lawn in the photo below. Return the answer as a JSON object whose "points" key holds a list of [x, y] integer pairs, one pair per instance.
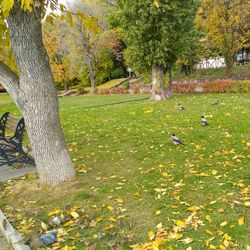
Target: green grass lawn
{"points": [[131, 177]]}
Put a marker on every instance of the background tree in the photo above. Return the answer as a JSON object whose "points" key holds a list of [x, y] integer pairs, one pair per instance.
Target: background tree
{"points": [[155, 35], [90, 23], [33, 89], [227, 24]]}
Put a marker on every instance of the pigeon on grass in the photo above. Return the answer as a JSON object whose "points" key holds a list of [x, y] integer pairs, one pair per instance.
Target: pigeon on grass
{"points": [[176, 140], [215, 103], [181, 107], [204, 121], [42, 241]]}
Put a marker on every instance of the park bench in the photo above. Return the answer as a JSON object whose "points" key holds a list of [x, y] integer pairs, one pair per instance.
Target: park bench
{"points": [[11, 141]]}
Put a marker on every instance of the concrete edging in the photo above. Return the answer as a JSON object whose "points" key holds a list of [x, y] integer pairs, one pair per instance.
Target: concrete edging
{"points": [[12, 236]]}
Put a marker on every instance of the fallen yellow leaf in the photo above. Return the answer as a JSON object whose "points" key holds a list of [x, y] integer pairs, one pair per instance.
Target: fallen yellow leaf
{"points": [[54, 212], [44, 226], [151, 235], [112, 219], [193, 209], [208, 218], [119, 200], [247, 203], [175, 236], [121, 216], [164, 174], [155, 245], [98, 219], [180, 223], [211, 246], [156, 3], [222, 247], [148, 111], [108, 227], [241, 220], [158, 226], [110, 208], [187, 240], [224, 223], [214, 172], [209, 232], [74, 214]]}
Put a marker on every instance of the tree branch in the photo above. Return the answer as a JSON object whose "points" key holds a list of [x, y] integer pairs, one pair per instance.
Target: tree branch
{"points": [[9, 80]]}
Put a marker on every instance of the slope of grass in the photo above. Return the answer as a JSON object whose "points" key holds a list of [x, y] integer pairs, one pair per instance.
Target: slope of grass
{"points": [[131, 177], [108, 84], [239, 70]]}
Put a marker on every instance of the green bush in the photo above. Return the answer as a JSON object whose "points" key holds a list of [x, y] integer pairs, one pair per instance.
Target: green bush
{"points": [[126, 85], [117, 73], [103, 67], [84, 76], [241, 87]]}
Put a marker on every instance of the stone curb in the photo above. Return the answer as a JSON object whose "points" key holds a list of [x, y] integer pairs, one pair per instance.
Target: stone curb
{"points": [[10, 234]]}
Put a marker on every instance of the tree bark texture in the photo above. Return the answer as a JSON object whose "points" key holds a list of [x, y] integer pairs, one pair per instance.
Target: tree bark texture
{"points": [[37, 97], [158, 88], [169, 89]]}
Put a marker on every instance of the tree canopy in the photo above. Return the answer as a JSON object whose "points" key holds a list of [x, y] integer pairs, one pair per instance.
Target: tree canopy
{"points": [[155, 34], [227, 25]]}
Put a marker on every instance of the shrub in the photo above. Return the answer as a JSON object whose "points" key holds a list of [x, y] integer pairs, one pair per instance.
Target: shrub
{"points": [[119, 90], [126, 85], [104, 91], [219, 86], [184, 88], [241, 87], [81, 90], [117, 73], [135, 89], [103, 67], [84, 77]]}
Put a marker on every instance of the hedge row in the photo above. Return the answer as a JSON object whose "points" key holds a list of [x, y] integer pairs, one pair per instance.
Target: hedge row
{"points": [[219, 86]]}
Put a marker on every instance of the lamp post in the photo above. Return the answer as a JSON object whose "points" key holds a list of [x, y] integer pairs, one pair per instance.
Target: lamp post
{"points": [[129, 72]]}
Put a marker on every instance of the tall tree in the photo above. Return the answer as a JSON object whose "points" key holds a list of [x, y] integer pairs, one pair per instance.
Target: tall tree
{"points": [[155, 33], [57, 43], [90, 23], [33, 89], [227, 23]]}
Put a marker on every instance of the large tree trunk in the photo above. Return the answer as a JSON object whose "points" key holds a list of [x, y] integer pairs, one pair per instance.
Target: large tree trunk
{"points": [[158, 88], [37, 98], [229, 59], [169, 89]]}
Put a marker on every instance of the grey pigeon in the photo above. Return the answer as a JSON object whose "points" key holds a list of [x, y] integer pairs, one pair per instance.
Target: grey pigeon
{"points": [[176, 140], [45, 240], [49, 238], [204, 121], [181, 107]]}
